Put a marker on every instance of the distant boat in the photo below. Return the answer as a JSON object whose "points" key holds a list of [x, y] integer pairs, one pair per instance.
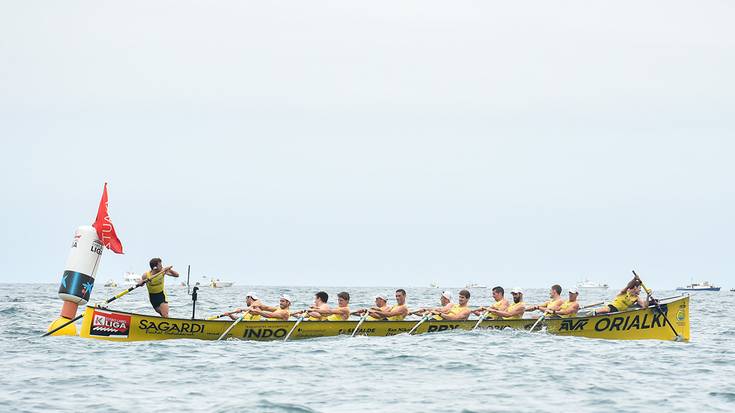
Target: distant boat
{"points": [[705, 286], [110, 283], [434, 284], [217, 283], [591, 285], [130, 279], [475, 285]]}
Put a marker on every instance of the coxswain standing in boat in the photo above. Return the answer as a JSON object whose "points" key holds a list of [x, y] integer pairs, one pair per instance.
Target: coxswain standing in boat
{"points": [[515, 310], [629, 296], [397, 312], [500, 304], [156, 291], [339, 313], [280, 313], [457, 311], [570, 307], [320, 303], [446, 304], [251, 301], [554, 303]]}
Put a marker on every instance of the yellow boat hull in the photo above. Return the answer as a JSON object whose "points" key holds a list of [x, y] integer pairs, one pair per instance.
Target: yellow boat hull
{"points": [[105, 324]]}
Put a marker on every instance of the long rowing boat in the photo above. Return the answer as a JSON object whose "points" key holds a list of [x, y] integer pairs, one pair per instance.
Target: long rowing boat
{"points": [[635, 324]]}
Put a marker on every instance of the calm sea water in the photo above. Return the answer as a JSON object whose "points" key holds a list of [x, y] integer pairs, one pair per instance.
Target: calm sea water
{"points": [[457, 371]]}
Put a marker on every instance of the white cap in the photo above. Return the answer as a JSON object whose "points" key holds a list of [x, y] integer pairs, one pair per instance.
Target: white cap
{"points": [[252, 295], [516, 291], [381, 296], [285, 297], [447, 294], [573, 290]]}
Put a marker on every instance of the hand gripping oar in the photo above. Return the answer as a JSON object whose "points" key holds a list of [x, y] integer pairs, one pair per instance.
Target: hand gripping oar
{"points": [[482, 317], [108, 301], [233, 325], [298, 321], [424, 318], [677, 336], [362, 319], [214, 317]]}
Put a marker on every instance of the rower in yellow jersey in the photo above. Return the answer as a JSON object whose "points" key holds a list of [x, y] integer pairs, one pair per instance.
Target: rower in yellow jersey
{"points": [[457, 311], [155, 286], [280, 313], [500, 304], [515, 310], [570, 307], [554, 303], [446, 304], [339, 313], [251, 301], [629, 296], [396, 312], [320, 303]]}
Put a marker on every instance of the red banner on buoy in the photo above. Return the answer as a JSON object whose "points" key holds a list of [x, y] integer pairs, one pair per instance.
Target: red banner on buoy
{"points": [[103, 225]]}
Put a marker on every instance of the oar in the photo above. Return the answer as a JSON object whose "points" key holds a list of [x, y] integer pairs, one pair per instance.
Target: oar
{"points": [[362, 319], [108, 301], [298, 321], [233, 325], [214, 317], [660, 310], [537, 321], [424, 318]]}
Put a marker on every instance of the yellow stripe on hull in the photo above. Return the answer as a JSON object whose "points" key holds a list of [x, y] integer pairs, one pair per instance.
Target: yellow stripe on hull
{"points": [[112, 325]]}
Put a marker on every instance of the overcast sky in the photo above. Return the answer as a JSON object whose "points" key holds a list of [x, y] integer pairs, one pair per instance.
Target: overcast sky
{"points": [[387, 143]]}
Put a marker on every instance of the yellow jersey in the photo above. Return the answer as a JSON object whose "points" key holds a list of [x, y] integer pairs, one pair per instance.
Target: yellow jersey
{"points": [[566, 305], [555, 303], [371, 318], [498, 305], [399, 316], [251, 317], [623, 301], [155, 285], [337, 317], [512, 307]]}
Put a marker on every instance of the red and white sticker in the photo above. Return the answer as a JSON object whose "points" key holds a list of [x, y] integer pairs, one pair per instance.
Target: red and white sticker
{"points": [[105, 324]]}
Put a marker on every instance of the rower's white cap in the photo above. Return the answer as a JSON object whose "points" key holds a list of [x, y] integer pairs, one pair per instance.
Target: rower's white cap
{"points": [[252, 295], [447, 294], [381, 296], [516, 291], [286, 297], [573, 290]]}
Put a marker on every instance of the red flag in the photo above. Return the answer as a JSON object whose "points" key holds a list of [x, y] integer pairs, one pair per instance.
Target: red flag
{"points": [[103, 225]]}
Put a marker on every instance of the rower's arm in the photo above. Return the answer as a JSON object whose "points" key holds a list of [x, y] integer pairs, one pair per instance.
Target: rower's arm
{"points": [[267, 308], [462, 315], [403, 310], [642, 302], [172, 272], [568, 310]]}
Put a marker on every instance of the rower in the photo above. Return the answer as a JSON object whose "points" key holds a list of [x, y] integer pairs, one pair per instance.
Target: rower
{"points": [[446, 304], [515, 310], [570, 307], [280, 313], [457, 311], [500, 304], [320, 303], [628, 296], [340, 313], [156, 292], [555, 301], [251, 302], [375, 313], [397, 312]]}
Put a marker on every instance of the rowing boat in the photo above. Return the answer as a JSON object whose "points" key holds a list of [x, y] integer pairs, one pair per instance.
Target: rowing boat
{"points": [[635, 324]]}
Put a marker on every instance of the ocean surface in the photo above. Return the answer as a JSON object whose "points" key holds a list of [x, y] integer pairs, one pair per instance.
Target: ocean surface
{"points": [[454, 371]]}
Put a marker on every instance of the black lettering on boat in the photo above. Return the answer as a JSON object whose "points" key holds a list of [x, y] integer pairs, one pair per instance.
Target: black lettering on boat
{"points": [[572, 325], [657, 320], [602, 324], [645, 326], [617, 321], [635, 324]]}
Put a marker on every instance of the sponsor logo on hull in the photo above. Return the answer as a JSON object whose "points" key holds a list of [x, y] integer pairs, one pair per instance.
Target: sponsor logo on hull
{"points": [[112, 325], [178, 328]]}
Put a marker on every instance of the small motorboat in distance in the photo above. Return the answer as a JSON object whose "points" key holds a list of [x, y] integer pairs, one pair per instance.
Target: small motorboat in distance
{"points": [[590, 285], [110, 283], [130, 279], [217, 283], [474, 285], [704, 286]]}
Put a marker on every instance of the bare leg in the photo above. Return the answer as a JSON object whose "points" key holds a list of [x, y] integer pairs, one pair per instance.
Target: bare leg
{"points": [[163, 310]]}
